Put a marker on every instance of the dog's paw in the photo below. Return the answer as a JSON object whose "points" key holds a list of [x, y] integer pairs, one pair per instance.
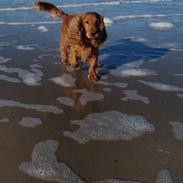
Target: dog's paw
{"points": [[93, 77]]}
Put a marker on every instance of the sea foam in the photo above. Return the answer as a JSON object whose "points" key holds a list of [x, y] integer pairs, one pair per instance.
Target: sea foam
{"points": [[65, 80], [110, 126], [177, 129], [162, 86], [116, 181], [133, 95], [36, 107], [164, 26], [30, 122], [132, 69], [45, 166]]}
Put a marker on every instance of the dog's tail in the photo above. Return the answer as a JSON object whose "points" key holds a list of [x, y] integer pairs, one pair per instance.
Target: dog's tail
{"points": [[52, 10]]}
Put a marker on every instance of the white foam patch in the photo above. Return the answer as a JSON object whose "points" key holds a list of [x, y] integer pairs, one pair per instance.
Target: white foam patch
{"points": [[88, 96], [179, 75], [66, 101], [65, 80], [28, 78], [25, 47], [4, 60], [45, 166], [38, 66], [132, 69], [107, 89], [162, 86], [116, 84], [146, 16], [177, 129], [37, 107], [9, 79], [42, 28], [164, 177], [116, 181], [133, 95], [110, 126], [164, 26], [29, 23], [180, 95], [4, 120], [108, 21], [30, 122], [116, 2]]}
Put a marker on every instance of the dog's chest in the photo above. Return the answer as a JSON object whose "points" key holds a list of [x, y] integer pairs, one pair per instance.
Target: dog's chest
{"points": [[84, 52]]}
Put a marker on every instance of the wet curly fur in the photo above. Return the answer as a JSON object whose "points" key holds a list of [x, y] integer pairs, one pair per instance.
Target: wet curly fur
{"points": [[82, 35]]}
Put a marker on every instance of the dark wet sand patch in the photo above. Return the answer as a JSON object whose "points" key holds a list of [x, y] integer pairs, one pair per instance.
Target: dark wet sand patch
{"points": [[141, 159]]}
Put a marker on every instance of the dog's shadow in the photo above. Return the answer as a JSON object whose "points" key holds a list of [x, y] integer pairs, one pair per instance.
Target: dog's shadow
{"points": [[127, 51]]}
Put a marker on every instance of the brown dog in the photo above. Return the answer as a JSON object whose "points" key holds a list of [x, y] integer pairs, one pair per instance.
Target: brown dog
{"points": [[82, 35]]}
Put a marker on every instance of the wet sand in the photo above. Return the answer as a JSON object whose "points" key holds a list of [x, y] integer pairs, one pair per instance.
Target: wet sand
{"points": [[139, 159]]}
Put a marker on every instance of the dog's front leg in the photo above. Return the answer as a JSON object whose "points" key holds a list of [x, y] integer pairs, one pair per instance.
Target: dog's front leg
{"points": [[93, 67], [73, 57]]}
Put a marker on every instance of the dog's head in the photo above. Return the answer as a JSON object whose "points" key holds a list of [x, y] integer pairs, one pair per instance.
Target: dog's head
{"points": [[88, 28], [94, 28]]}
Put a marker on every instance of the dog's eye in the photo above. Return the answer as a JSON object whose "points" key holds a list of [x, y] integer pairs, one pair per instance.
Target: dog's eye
{"points": [[86, 22], [96, 23]]}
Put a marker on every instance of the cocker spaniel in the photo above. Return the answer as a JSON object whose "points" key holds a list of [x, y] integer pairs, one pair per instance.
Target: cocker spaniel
{"points": [[82, 35]]}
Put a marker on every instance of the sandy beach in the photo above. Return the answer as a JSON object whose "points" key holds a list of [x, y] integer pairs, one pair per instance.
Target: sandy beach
{"points": [[58, 126]]}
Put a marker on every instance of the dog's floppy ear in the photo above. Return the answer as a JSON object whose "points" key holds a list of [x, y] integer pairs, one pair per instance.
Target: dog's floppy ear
{"points": [[103, 33]]}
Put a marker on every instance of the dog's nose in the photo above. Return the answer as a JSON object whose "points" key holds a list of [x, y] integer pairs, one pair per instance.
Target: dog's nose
{"points": [[94, 33]]}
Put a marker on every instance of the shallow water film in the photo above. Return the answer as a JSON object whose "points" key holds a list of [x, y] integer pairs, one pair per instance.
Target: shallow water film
{"points": [[57, 126]]}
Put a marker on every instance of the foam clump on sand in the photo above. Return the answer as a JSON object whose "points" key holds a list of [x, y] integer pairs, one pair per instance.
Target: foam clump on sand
{"points": [[87, 96], [133, 95], [115, 181], [180, 95], [132, 69], [25, 47], [110, 126], [164, 26], [65, 80], [4, 60], [177, 129], [161, 86], [107, 89], [178, 75], [4, 120], [30, 122], [108, 21], [66, 101], [29, 78], [164, 177], [4, 77], [116, 84], [44, 164], [42, 28], [37, 107], [90, 97]]}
